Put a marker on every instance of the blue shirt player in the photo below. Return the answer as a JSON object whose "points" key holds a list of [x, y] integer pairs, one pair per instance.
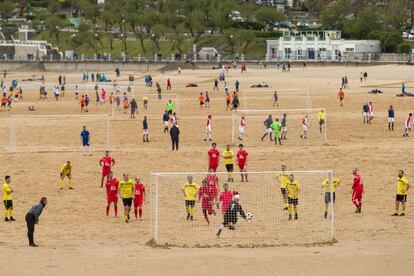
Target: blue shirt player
{"points": [[85, 141]]}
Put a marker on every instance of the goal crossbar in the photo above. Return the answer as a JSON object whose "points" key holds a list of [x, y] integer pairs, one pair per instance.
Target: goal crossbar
{"points": [[19, 117]]}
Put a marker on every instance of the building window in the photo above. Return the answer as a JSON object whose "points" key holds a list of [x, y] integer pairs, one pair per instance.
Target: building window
{"points": [[300, 54], [288, 52], [274, 53], [311, 53], [349, 50]]}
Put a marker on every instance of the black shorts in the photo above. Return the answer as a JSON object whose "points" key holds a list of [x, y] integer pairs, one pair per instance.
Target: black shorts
{"points": [[8, 204], [328, 197], [401, 198], [293, 201], [3, 104], [235, 106], [229, 167], [321, 122], [127, 201], [283, 191], [85, 143], [190, 203]]}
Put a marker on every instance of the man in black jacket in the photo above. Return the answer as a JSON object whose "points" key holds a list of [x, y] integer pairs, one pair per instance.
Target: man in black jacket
{"points": [[32, 218], [230, 216], [175, 133]]}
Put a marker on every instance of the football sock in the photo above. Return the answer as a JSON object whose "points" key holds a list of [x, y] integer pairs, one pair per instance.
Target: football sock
{"points": [[140, 213]]}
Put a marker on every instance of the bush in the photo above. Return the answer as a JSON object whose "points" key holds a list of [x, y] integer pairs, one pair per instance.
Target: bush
{"points": [[405, 47], [271, 34]]}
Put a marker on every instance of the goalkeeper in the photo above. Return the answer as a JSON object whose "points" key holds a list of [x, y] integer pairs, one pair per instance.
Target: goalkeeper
{"points": [[230, 216]]}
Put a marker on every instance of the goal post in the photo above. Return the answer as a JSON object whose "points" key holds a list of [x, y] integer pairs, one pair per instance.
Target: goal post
{"points": [[60, 133], [261, 197], [255, 118]]}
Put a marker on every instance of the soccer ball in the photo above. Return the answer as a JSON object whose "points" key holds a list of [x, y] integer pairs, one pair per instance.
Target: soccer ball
{"points": [[249, 216]]}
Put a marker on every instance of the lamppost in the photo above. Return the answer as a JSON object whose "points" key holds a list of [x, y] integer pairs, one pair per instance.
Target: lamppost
{"points": [[42, 29], [231, 45], [153, 45], [125, 35], [73, 45], [122, 43], [57, 34], [96, 44], [185, 43]]}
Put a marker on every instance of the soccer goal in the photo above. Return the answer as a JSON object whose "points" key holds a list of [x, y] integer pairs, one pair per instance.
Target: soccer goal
{"points": [[57, 133], [287, 98], [261, 197], [255, 128], [155, 105]]}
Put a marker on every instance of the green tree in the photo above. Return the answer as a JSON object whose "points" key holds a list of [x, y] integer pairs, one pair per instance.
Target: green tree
{"points": [[246, 37], [6, 9]]}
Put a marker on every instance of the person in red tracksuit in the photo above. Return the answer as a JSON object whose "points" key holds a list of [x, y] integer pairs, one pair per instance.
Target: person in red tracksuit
{"points": [[357, 191]]}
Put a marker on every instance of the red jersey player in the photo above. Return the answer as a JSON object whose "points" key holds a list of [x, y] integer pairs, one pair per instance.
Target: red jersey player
{"points": [[213, 158], [139, 197], [242, 162], [106, 163], [357, 191], [212, 184], [226, 197], [206, 197], [112, 193]]}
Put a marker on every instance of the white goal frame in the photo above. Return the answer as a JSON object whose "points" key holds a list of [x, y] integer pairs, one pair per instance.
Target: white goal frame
{"points": [[234, 117], [12, 129], [303, 92], [154, 198]]}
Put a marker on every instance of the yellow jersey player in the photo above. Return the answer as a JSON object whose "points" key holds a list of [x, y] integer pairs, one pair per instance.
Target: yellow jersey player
{"points": [[66, 171], [229, 162], [126, 187], [283, 179], [190, 191], [327, 185], [321, 120], [293, 188], [8, 199], [402, 188]]}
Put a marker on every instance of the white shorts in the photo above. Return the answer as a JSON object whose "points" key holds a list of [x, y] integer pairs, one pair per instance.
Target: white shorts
{"points": [[208, 129], [145, 131], [371, 114], [269, 130], [365, 114], [305, 127], [241, 130], [166, 123], [390, 120], [284, 128]]}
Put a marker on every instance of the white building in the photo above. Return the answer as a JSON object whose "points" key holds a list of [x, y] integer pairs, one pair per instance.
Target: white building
{"points": [[317, 45]]}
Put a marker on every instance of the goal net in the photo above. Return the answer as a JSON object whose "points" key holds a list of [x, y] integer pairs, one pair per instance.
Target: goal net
{"points": [[61, 133], [261, 197], [264, 97], [155, 105], [255, 127]]}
